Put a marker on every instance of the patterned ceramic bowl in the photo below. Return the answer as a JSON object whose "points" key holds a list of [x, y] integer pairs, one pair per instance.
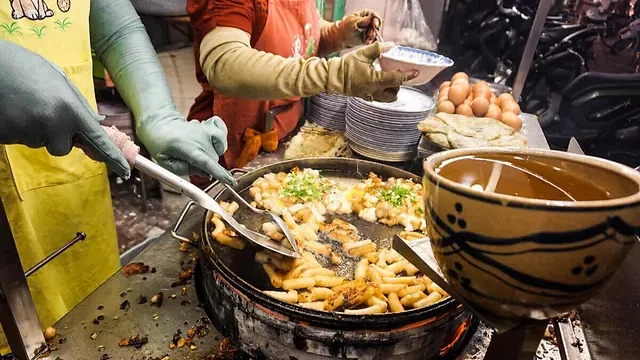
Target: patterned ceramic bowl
{"points": [[407, 59], [511, 252]]}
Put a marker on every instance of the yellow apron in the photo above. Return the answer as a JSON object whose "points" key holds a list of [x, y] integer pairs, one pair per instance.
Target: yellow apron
{"points": [[48, 199]]}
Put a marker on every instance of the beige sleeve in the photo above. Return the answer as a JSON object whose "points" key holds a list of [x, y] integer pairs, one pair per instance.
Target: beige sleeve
{"points": [[235, 69]]}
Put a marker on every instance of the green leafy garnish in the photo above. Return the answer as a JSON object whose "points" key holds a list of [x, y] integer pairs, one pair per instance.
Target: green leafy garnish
{"points": [[397, 195], [419, 211], [304, 186]]}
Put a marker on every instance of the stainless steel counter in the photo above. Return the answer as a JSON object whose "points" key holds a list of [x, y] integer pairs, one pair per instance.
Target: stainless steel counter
{"points": [[159, 324]]}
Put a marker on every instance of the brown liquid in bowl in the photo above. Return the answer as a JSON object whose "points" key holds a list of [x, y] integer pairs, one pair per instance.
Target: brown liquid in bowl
{"points": [[537, 177]]}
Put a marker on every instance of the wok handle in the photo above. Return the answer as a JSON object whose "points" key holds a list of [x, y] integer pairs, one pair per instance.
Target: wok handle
{"points": [[174, 231]]}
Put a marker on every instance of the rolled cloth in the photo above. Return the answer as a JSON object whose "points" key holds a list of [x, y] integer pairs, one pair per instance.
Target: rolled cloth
{"points": [[124, 143]]}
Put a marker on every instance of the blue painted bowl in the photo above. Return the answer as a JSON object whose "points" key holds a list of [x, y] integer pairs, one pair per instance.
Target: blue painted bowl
{"points": [[515, 255], [407, 59]]}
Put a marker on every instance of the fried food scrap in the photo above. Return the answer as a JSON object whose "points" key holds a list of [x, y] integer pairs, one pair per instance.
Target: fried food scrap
{"points": [[135, 341], [135, 269], [411, 235], [157, 299], [228, 350], [184, 247], [179, 283], [49, 333]]}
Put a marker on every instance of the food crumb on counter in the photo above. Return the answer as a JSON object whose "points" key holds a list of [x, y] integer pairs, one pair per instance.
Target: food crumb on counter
{"points": [[157, 299], [135, 268], [49, 333], [135, 341], [125, 305]]}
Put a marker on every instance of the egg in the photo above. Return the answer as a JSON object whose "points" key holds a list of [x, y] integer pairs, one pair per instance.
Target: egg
{"points": [[486, 93], [480, 106], [464, 109], [459, 81], [512, 120], [446, 107], [460, 75], [494, 112], [469, 99], [443, 92], [494, 99], [510, 106], [457, 94], [445, 84], [480, 86], [465, 85], [505, 98]]}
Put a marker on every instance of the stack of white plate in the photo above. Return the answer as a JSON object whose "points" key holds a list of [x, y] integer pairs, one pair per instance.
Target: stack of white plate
{"points": [[387, 131], [329, 111]]}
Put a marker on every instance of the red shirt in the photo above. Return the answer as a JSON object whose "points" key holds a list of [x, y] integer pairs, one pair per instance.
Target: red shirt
{"points": [[247, 15]]}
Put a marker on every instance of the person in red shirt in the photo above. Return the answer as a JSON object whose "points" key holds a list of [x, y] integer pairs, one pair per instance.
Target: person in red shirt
{"points": [[255, 56]]}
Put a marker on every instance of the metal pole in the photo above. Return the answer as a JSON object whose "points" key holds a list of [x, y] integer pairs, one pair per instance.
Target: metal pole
{"points": [[530, 49], [18, 314], [79, 237]]}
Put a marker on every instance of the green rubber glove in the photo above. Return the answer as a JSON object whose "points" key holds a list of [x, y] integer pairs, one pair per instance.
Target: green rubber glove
{"points": [[41, 107], [123, 47]]}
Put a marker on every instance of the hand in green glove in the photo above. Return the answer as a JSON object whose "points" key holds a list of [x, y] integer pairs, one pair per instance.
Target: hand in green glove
{"points": [[41, 107], [121, 43], [360, 28], [354, 75], [188, 147]]}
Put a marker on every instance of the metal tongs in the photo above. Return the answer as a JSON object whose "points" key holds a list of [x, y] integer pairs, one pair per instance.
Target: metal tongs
{"points": [[201, 198], [277, 219]]}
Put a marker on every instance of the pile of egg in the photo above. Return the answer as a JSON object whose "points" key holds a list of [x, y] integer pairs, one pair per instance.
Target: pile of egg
{"points": [[459, 97]]}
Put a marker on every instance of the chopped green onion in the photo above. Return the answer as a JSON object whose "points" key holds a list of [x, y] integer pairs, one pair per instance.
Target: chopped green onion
{"points": [[397, 195], [304, 187]]}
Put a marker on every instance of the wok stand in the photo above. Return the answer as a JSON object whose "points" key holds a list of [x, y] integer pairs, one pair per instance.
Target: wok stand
{"points": [[511, 339]]}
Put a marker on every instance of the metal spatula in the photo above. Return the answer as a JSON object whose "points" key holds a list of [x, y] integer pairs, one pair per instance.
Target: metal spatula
{"points": [[420, 254]]}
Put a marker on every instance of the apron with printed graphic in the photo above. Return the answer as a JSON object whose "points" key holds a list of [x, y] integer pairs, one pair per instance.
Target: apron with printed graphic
{"points": [[292, 30], [48, 199]]}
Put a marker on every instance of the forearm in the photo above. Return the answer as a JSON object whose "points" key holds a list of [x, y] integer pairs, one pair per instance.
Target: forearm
{"points": [[234, 68], [122, 45]]}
